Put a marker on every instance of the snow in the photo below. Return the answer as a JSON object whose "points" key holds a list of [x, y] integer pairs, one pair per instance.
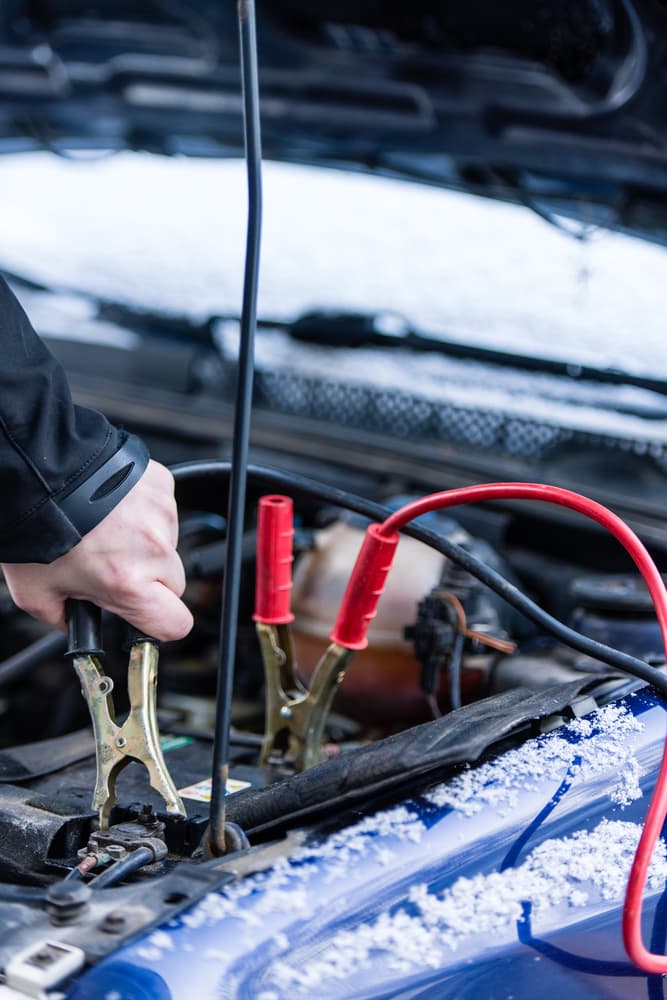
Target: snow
{"points": [[169, 234], [584, 406], [570, 870], [283, 915], [285, 887], [608, 749]]}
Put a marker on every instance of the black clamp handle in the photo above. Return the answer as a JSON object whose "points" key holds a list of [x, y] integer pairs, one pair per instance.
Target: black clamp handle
{"points": [[84, 630]]}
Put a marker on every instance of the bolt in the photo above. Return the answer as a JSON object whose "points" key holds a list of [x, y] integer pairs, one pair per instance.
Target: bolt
{"points": [[114, 922], [65, 901], [285, 712], [115, 851], [147, 817]]}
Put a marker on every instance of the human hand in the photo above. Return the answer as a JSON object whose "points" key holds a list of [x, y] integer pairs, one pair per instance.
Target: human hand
{"points": [[127, 564]]}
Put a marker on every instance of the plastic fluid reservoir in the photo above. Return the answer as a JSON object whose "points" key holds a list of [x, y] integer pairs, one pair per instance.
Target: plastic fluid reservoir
{"points": [[382, 682]]}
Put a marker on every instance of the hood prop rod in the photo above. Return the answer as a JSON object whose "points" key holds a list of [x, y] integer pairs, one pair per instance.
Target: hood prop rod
{"points": [[220, 838]]}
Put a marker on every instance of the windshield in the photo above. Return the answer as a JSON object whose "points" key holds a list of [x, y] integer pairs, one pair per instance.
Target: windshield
{"points": [[168, 234]]}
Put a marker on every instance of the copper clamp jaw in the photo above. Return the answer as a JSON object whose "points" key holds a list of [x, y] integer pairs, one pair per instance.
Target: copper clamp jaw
{"points": [[138, 738]]}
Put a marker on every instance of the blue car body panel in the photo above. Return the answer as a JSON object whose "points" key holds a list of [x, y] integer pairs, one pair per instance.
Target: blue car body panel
{"points": [[506, 881]]}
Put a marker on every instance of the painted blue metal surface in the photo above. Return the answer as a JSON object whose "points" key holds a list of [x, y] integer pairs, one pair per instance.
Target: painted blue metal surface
{"points": [[505, 882]]}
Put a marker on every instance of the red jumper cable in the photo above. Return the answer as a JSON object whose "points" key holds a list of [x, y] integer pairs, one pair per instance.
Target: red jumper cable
{"points": [[365, 587]]}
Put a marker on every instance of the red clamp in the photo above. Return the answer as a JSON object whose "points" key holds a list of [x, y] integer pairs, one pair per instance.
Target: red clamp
{"points": [[364, 589], [273, 587]]}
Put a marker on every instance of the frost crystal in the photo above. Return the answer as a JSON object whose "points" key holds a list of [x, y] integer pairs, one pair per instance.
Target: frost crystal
{"points": [[424, 928], [284, 888], [572, 871], [607, 745]]}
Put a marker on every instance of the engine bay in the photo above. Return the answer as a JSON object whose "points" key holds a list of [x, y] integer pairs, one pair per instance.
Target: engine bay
{"points": [[498, 622], [443, 647], [328, 687]]}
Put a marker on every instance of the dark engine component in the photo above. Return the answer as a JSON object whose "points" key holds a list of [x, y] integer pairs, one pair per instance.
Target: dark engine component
{"points": [[461, 629], [618, 611]]}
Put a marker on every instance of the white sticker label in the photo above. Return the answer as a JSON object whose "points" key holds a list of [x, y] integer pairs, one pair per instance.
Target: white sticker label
{"points": [[201, 791]]}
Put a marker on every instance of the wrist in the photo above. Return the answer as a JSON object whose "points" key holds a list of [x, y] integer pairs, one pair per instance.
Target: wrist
{"points": [[97, 496]]}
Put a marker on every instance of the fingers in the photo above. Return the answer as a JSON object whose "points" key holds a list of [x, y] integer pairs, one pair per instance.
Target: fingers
{"points": [[152, 605], [122, 576], [158, 483], [161, 614], [172, 574], [132, 567], [153, 608]]}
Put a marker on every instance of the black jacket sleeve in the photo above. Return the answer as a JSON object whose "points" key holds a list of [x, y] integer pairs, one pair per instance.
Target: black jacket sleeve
{"points": [[49, 448]]}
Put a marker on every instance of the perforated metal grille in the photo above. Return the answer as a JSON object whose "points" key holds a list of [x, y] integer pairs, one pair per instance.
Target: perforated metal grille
{"points": [[412, 417]]}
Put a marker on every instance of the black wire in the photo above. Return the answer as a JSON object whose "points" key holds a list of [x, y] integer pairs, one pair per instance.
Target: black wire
{"points": [[21, 894], [15, 667], [241, 439], [455, 671], [301, 486], [121, 869], [74, 875]]}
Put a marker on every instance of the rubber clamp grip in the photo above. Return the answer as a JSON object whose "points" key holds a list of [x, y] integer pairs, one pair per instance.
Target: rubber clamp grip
{"points": [[132, 635], [273, 587], [365, 587], [93, 499], [84, 628]]}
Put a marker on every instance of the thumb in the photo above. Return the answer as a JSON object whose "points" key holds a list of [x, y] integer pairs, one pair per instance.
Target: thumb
{"points": [[45, 604]]}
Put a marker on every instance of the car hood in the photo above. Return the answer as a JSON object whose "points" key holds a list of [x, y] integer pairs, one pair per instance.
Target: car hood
{"points": [[558, 105]]}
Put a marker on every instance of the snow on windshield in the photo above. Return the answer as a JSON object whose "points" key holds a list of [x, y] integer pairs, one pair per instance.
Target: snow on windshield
{"points": [[169, 234]]}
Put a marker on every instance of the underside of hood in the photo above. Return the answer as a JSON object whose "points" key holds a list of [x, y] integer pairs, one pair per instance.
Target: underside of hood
{"points": [[558, 104]]}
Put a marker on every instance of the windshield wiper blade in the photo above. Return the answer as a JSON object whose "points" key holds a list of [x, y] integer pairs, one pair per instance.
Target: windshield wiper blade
{"points": [[149, 322], [342, 329], [388, 330], [174, 326]]}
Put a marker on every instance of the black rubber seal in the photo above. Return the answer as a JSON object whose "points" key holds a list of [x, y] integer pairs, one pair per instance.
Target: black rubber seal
{"points": [[90, 502]]}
